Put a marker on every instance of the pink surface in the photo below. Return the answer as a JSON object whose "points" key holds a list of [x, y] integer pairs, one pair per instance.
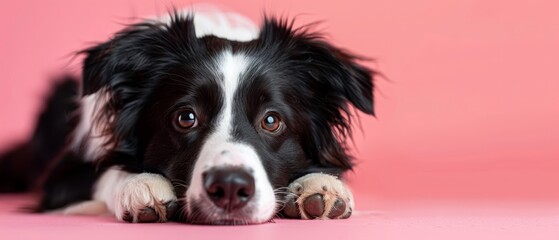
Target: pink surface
{"points": [[463, 223], [470, 111]]}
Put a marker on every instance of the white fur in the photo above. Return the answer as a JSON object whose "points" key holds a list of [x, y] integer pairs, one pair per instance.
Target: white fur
{"points": [[89, 131], [220, 149], [108, 186], [141, 191], [129, 192], [91, 207], [213, 21]]}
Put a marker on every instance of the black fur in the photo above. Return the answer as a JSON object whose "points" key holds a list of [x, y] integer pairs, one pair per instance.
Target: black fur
{"points": [[69, 181], [151, 70], [21, 167]]}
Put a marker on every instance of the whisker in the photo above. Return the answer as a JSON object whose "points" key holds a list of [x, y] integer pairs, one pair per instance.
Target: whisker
{"points": [[178, 180], [279, 215], [281, 188], [179, 183]]}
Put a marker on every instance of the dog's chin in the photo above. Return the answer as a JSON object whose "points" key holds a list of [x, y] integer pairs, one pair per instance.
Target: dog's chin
{"points": [[203, 212]]}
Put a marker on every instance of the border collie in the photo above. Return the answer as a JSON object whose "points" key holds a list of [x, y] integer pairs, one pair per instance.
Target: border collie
{"points": [[202, 118]]}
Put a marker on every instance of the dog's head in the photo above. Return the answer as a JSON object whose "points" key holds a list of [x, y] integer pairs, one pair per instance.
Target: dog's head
{"points": [[230, 123]]}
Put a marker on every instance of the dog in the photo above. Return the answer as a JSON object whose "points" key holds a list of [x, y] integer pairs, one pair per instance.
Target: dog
{"points": [[200, 118]]}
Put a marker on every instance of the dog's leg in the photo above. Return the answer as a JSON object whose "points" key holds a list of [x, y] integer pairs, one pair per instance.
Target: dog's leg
{"points": [[318, 196], [144, 197], [90, 207], [131, 197]]}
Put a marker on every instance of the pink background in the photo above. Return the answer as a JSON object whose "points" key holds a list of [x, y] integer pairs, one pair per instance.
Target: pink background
{"points": [[469, 112]]}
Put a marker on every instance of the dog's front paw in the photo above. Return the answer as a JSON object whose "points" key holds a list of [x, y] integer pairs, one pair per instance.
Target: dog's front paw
{"points": [[146, 197], [318, 196]]}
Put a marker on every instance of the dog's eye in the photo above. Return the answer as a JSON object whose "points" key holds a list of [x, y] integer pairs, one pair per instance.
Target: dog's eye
{"points": [[185, 119], [271, 123]]}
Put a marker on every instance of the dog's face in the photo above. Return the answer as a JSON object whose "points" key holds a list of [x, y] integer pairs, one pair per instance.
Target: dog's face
{"points": [[229, 123]]}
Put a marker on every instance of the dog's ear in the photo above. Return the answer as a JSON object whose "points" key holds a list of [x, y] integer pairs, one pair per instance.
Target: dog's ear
{"points": [[125, 70], [132, 50], [333, 77], [330, 66]]}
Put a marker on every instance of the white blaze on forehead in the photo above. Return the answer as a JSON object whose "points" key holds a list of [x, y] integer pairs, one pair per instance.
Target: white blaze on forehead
{"points": [[210, 20], [221, 150], [232, 66], [228, 25]]}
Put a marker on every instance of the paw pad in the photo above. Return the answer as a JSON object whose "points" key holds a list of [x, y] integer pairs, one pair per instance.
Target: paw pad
{"points": [[314, 205], [318, 196], [291, 209], [337, 209], [149, 215]]}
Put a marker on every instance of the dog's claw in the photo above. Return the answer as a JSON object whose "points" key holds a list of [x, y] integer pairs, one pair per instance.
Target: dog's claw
{"points": [[172, 208], [127, 217]]}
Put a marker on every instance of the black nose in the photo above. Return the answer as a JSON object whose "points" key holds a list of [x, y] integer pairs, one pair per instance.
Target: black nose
{"points": [[229, 188]]}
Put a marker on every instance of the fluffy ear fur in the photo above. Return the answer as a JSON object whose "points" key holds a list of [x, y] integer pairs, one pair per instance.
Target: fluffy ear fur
{"points": [[336, 79], [123, 68]]}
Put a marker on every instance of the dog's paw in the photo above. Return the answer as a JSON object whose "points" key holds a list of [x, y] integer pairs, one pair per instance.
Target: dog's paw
{"points": [[146, 197], [318, 196]]}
